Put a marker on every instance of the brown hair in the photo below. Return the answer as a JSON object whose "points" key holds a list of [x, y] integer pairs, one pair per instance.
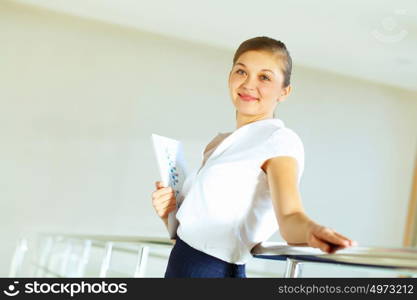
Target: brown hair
{"points": [[275, 47]]}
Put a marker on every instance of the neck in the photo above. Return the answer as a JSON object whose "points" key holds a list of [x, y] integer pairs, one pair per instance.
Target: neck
{"points": [[246, 119]]}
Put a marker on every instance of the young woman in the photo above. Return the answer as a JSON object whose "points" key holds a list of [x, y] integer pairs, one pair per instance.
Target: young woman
{"points": [[247, 186]]}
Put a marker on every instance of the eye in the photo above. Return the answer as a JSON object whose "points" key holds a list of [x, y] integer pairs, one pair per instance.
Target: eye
{"points": [[239, 71], [265, 77]]}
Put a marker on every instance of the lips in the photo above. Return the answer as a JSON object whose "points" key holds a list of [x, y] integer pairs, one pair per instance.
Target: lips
{"points": [[246, 97]]}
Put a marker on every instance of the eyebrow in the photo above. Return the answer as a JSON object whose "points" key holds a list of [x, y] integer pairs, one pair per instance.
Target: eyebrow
{"points": [[261, 70]]}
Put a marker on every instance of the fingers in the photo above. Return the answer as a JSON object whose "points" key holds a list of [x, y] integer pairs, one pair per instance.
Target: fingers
{"points": [[351, 242], [329, 240], [317, 243], [324, 246], [162, 196], [162, 191], [168, 207], [329, 235], [163, 200], [158, 184], [164, 211]]}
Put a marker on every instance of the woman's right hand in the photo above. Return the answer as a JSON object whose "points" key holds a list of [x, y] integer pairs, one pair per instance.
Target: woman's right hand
{"points": [[163, 200]]}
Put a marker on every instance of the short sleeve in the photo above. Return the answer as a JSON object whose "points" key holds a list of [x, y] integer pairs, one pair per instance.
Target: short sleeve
{"points": [[285, 142]]}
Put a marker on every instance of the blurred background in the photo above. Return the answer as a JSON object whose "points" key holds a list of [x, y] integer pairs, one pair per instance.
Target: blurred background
{"points": [[84, 84]]}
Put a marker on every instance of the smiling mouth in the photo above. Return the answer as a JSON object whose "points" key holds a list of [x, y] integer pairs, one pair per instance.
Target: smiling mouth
{"points": [[247, 98]]}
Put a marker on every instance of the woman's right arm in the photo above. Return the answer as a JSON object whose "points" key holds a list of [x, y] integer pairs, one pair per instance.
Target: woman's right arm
{"points": [[163, 201]]}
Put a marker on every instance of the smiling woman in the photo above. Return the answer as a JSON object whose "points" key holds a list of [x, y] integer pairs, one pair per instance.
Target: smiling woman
{"points": [[247, 186], [263, 63]]}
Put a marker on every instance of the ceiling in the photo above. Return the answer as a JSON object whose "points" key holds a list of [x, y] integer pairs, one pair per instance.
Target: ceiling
{"points": [[374, 40]]}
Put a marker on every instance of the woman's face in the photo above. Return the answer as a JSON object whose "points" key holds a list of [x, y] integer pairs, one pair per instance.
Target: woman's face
{"points": [[255, 84]]}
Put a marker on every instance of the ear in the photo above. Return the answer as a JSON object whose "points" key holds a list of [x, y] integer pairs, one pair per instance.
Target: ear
{"points": [[285, 92]]}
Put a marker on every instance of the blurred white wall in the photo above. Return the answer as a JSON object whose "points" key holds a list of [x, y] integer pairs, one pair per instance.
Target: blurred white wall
{"points": [[79, 100]]}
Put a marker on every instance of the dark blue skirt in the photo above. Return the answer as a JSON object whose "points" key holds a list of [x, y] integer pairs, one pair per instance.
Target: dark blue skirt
{"points": [[187, 262]]}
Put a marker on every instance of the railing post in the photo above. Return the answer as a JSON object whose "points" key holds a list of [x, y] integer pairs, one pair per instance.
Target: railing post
{"points": [[44, 256], [65, 259], [106, 260], [143, 254], [292, 268], [18, 256], [84, 258]]}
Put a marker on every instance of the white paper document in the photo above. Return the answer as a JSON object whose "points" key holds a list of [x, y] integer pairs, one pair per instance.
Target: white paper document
{"points": [[173, 172]]}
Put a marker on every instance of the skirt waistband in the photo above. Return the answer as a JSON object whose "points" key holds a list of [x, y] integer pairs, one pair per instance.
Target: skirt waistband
{"points": [[186, 248]]}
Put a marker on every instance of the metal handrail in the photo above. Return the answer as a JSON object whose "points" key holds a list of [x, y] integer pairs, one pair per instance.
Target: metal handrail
{"points": [[109, 244], [402, 260], [102, 240], [156, 241]]}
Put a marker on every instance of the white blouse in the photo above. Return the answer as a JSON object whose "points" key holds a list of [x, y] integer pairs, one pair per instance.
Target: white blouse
{"points": [[227, 207]]}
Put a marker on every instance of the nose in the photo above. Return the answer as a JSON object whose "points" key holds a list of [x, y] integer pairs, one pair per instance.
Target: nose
{"points": [[249, 83]]}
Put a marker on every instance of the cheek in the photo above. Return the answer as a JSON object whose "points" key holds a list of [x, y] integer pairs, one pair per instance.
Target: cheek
{"points": [[233, 78], [268, 92], [234, 83]]}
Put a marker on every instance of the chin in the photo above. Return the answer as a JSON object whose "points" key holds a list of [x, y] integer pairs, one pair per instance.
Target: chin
{"points": [[247, 112]]}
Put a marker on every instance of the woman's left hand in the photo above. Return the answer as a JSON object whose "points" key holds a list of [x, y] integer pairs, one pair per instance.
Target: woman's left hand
{"points": [[327, 239]]}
